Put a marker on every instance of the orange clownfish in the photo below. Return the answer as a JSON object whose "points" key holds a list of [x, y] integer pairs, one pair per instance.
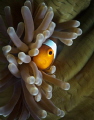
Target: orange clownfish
{"points": [[46, 56]]}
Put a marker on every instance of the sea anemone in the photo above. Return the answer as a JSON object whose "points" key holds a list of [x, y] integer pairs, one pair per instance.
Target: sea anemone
{"points": [[32, 86]]}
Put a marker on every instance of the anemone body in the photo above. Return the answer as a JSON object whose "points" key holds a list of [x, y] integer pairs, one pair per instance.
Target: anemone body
{"points": [[32, 90]]}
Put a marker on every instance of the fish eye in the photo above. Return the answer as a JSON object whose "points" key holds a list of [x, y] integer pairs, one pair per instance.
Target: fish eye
{"points": [[50, 52]]}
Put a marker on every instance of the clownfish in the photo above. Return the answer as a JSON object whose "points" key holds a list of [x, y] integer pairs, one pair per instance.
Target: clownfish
{"points": [[46, 56]]}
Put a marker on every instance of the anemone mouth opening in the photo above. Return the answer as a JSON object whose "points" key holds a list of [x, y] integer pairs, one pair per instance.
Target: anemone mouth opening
{"points": [[25, 41]]}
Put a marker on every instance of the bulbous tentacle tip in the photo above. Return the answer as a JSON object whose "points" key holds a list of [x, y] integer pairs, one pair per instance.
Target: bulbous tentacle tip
{"points": [[6, 49], [74, 35], [48, 95], [58, 112], [24, 8], [43, 3], [77, 23], [31, 80], [24, 58], [62, 113], [79, 32], [34, 91], [50, 9], [43, 114], [67, 86], [14, 70], [70, 42], [10, 30], [33, 52], [38, 97], [7, 7]]}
